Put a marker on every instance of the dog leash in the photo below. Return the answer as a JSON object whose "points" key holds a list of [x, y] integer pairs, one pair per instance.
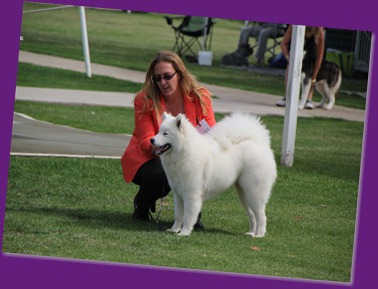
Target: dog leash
{"points": [[160, 228]]}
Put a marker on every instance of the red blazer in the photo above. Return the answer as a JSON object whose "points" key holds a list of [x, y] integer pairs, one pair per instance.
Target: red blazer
{"points": [[147, 126]]}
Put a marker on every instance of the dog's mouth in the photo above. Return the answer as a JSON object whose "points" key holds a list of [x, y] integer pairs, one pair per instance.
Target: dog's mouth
{"points": [[160, 150]]}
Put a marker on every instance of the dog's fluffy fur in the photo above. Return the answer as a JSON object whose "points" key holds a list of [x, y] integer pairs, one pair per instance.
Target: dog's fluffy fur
{"points": [[235, 151], [327, 83]]}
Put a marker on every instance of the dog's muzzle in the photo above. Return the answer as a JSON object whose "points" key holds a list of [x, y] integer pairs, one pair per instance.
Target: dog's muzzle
{"points": [[161, 149]]}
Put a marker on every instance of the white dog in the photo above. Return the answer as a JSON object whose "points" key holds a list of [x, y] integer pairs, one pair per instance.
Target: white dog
{"points": [[235, 151]]}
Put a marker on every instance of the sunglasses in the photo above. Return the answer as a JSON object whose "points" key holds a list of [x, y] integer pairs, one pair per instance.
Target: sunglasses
{"points": [[166, 76]]}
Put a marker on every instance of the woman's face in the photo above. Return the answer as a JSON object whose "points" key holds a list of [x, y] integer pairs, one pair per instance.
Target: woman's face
{"points": [[167, 79]]}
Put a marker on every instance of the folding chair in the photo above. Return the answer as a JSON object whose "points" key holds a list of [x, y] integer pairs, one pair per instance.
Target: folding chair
{"points": [[276, 40], [190, 31]]}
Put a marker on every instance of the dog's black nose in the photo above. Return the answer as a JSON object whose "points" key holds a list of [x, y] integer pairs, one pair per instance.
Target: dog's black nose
{"points": [[152, 141]]}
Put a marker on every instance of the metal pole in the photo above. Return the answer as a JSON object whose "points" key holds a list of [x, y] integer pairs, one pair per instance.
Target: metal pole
{"points": [[292, 95], [205, 34], [84, 36]]}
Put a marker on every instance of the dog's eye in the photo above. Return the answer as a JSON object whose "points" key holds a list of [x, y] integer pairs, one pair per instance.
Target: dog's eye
{"points": [[165, 133]]}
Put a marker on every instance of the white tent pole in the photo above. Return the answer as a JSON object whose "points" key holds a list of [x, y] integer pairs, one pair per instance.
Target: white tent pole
{"points": [[292, 95], [84, 35]]}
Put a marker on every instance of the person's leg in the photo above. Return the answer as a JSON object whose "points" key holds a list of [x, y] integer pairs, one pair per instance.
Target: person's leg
{"points": [[262, 41], [153, 184], [244, 35], [248, 31], [282, 102], [265, 34], [309, 62], [309, 104]]}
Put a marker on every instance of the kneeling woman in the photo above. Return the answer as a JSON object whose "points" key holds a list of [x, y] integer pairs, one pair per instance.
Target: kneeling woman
{"points": [[170, 88]]}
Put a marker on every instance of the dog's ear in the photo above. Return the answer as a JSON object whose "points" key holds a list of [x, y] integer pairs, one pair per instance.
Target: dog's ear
{"points": [[179, 120], [164, 116]]}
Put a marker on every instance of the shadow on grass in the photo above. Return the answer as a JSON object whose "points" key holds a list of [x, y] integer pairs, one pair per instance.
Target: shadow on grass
{"points": [[112, 220], [96, 218]]}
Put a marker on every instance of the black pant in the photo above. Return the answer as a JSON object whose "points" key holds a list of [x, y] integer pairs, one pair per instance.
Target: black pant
{"points": [[152, 182]]}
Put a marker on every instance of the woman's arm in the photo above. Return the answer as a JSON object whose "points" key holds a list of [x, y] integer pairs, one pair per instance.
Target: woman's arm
{"points": [[285, 43], [209, 117], [145, 127]]}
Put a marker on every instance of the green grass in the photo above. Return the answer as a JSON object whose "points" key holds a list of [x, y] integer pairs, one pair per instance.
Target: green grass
{"points": [[38, 76], [81, 209], [115, 37], [131, 40], [89, 218], [95, 118]]}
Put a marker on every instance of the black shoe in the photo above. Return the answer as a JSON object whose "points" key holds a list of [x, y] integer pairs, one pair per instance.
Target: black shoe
{"points": [[153, 207], [141, 212], [199, 225]]}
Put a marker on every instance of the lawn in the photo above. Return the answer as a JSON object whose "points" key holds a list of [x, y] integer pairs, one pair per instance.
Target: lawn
{"points": [[75, 208]]}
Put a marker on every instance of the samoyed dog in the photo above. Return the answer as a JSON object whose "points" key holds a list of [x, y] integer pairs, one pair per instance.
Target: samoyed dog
{"points": [[236, 151]]}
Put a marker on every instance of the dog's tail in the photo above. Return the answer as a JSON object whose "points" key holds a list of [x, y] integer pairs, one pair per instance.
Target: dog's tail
{"points": [[239, 127]]}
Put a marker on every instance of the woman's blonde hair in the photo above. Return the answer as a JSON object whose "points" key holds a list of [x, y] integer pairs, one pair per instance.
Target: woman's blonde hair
{"points": [[187, 82], [313, 31]]}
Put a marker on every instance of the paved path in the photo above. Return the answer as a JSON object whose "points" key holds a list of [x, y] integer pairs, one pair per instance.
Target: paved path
{"points": [[39, 138], [32, 137]]}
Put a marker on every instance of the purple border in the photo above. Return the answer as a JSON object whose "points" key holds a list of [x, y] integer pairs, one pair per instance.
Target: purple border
{"points": [[29, 271]]}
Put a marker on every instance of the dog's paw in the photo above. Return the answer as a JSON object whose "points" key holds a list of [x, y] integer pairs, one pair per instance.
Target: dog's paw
{"points": [[176, 227], [175, 231], [183, 234], [185, 231], [253, 235]]}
